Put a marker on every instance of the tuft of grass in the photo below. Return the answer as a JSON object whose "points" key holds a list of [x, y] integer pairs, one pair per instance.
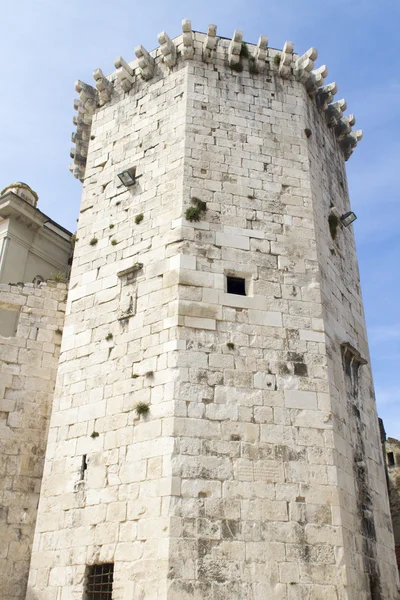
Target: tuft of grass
{"points": [[112, 226], [277, 60], [94, 434], [134, 375], [251, 197], [244, 51], [139, 218], [59, 276], [230, 345], [238, 67], [59, 331], [194, 213], [93, 241], [142, 408], [200, 204], [114, 242], [253, 66], [149, 374], [333, 222], [308, 132], [109, 336]]}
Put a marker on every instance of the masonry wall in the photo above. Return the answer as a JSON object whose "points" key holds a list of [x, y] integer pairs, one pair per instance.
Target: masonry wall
{"points": [[119, 349], [28, 366], [363, 514], [259, 494]]}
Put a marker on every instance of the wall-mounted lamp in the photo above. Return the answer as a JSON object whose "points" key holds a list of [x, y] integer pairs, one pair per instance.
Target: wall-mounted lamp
{"points": [[128, 177], [347, 219]]}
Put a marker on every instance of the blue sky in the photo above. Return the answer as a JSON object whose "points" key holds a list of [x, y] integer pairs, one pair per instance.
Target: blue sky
{"points": [[46, 45]]}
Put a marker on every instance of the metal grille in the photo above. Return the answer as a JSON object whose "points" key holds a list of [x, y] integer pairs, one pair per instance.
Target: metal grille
{"points": [[99, 582]]}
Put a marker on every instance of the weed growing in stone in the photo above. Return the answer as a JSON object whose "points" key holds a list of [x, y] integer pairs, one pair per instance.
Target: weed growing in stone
{"points": [[142, 408], [139, 218], [277, 60], [333, 222], [194, 213]]}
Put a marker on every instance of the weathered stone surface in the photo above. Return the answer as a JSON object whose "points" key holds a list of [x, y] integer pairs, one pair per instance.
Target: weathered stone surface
{"points": [[256, 472], [28, 367]]}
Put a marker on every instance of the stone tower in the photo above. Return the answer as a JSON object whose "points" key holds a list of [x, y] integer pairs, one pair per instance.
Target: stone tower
{"points": [[214, 431]]}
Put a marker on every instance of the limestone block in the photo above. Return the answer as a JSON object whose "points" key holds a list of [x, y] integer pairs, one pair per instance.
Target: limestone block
{"points": [[285, 66], [146, 62], [304, 64], [344, 126], [125, 74], [325, 95], [316, 79], [235, 48], [300, 399], [188, 42], [260, 54], [210, 43], [167, 49], [334, 112], [104, 87]]}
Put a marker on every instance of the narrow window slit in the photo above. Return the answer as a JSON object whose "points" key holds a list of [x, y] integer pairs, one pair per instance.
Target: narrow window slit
{"points": [[83, 466], [390, 457]]}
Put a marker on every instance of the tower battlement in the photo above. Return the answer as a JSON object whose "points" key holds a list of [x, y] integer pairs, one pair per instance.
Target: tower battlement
{"points": [[242, 58]]}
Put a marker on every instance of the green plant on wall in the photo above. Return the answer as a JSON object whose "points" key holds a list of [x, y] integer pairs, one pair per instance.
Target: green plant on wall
{"points": [[333, 222], [142, 408], [277, 60], [194, 213], [139, 218]]}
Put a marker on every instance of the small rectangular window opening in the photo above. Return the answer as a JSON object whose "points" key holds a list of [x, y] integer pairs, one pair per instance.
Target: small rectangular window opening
{"points": [[236, 285], [390, 457], [83, 466], [99, 582]]}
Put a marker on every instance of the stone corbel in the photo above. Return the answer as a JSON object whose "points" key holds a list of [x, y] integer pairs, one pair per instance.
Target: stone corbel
{"points": [[260, 55], [235, 48], [316, 79], [349, 142], [325, 95], [285, 66], [104, 87], [85, 105], [146, 63], [344, 126], [167, 48], [125, 74], [305, 64], [334, 112], [210, 43], [187, 35]]}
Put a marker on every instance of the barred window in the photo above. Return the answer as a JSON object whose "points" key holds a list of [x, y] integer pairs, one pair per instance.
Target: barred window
{"points": [[99, 582]]}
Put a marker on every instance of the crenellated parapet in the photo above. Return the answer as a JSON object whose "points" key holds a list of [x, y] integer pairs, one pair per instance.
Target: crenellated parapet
{"points": [[209, 48], [85, 106]]}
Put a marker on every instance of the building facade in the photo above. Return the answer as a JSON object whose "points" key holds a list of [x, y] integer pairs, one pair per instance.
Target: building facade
{"points": [[214, 430], [32, 249]]}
